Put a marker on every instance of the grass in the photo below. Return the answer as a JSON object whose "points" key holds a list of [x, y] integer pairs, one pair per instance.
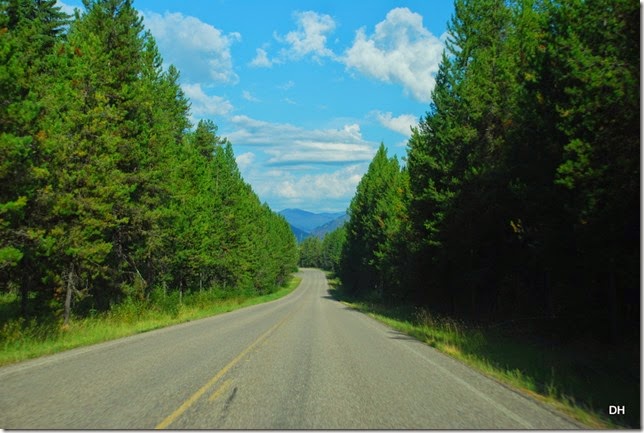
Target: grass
{"points": [[21, 340], [580, 380]]}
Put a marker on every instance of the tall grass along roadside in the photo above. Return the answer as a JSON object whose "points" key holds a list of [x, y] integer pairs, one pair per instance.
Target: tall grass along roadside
{"points": [[22, 339]]}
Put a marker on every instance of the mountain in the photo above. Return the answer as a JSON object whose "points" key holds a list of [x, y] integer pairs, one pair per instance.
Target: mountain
{"points": [[300, 235], [305, 224], [308, 221], [330, 226]]}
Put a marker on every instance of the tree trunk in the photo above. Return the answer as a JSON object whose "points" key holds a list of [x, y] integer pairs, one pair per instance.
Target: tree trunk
{"points": [[68, 295], [24, 292]]}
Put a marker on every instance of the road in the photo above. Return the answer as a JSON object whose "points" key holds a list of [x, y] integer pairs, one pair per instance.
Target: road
{"points": [[305, 361]]}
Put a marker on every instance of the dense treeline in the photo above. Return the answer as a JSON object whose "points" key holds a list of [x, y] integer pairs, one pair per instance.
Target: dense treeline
{"points": [[374, 256], [520, 195], [323, 253], [106, 193]]}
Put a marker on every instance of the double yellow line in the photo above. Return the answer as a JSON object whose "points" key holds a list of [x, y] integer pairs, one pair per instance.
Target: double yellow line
{"points": [[201, 391]]}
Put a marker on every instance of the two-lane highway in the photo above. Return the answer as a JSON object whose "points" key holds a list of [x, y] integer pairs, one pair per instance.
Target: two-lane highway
{"points": [[301, 362]]}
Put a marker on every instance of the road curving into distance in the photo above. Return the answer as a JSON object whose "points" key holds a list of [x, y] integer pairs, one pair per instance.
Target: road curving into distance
{"points": [[304, 361]]}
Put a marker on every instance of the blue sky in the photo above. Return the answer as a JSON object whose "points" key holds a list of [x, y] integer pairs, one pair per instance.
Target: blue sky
{"points": [[305, 90]]}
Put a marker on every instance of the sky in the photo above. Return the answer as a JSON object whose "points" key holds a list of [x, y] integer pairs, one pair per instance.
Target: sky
{"points": [[305, 90]]}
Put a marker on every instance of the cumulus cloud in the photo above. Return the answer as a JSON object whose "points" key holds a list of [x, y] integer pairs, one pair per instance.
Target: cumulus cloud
{"points": [[261, 59], [309, 38], [199, 50], [401, 124], [338, 184], [203, 105], [401, 50], [245, 159], [315, 190]]}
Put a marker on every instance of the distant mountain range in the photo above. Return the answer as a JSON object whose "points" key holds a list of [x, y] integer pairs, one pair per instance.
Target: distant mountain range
{"points": [[305, 224], [300, 235]]}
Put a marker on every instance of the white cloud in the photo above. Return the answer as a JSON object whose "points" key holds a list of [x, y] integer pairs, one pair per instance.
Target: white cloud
{"points": [[338, 184], [261, 59], [314, 169], [203, 105], [248, 96], [321, 152], [245, 159], [69, 10], [401, 124], [310, 36], [199, 50], [287, 144], [316, 191], [401, 50]]}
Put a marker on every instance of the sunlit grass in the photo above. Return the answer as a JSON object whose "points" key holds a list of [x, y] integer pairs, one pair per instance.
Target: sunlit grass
{"points": [[21, 340]]}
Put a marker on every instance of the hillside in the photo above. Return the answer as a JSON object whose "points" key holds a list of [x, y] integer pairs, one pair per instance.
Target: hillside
{"points": [[330, 226], [304, 223], [308, 221], [300, 234]]}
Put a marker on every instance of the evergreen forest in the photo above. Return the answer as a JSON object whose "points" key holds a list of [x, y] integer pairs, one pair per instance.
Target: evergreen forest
{"points": [[108, 193], [517, 205], [519, 197]]}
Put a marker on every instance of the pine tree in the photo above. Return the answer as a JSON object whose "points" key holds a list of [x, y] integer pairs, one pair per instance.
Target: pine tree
{"points": [[29, 31], [458, 160], [371, 256], [332, 245], [311, 252], [524, 187], [106, 194], [98, 219], [595, 52], [162, 110]]}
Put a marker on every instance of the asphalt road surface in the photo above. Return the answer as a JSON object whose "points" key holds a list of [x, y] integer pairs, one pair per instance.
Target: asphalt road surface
{"points": [[302, 362]]}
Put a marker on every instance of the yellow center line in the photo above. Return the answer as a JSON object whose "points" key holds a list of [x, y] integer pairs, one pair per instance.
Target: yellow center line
{"points": [[194, 397], [219, 391]]}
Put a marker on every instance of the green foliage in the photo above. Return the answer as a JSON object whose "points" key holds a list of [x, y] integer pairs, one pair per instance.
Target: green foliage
{"points": [[597, 56], [10, 256], [107, 197], [332, 245], [28, 32], [311, 252], [22, 339], [519, 202], [524, 171], [325, 253], [373, 257]]}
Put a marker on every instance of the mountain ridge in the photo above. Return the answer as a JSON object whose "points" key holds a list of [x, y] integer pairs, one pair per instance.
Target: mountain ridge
{"points": [[304, 223]]}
